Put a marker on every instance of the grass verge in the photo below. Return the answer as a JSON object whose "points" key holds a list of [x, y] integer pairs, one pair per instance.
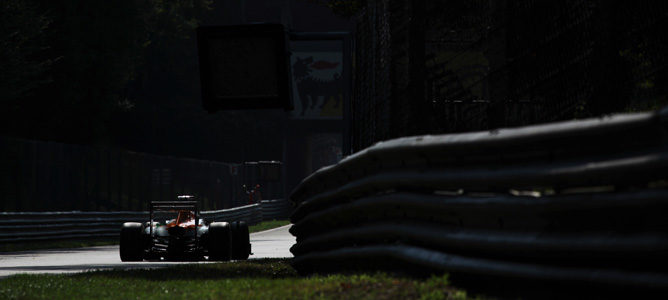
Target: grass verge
{"points": [[253, 279], [266, 225], [109, 241]]}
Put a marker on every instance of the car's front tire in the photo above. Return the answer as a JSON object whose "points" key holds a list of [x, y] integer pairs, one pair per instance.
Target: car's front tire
{"points": [[131, 243], [220, 238]]}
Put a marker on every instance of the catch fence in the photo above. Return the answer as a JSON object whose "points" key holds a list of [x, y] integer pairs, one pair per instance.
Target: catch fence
{"points": [[50, 176], [25, 227], [433, 67]]}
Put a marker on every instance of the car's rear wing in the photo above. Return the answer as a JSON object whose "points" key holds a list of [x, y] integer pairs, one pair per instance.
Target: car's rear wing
{"points": [[159, 206], [173, 205]]}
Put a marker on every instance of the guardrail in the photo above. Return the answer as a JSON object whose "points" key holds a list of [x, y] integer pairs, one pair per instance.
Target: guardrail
{"points": [[17, 227], [275, 209], [579, 201]]}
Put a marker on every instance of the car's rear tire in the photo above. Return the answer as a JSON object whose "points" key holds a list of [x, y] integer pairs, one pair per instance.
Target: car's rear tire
{"points": [[220, 238], [131, 243], [240, 240]]}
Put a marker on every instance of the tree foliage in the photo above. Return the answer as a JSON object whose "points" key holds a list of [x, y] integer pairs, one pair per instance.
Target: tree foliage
{"points": [[344, 8], [23, 63], [120, 73], [68, 66]]}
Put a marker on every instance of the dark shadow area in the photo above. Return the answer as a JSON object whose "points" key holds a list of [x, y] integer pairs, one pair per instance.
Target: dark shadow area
{"points": [[260, 268], [516, 288], [66, 246], [488, 286], [101, 248]]}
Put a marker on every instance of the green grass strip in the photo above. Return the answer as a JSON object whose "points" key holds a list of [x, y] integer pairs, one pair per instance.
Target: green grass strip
{"points": [[253, 279], [266, 225]]}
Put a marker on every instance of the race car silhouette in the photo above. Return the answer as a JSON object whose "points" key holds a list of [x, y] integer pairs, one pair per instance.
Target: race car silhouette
{"points": [[183, 235]]}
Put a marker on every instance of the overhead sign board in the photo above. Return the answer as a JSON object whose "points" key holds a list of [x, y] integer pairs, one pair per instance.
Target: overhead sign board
{"points": [[244, 67]]}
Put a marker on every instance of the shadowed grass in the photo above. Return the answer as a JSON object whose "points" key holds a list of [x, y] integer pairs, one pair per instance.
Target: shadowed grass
{"points": [[253, 279]]}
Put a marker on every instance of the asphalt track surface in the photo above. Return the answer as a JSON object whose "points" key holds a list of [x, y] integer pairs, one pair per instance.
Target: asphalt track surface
{"points": [[273, 243]]}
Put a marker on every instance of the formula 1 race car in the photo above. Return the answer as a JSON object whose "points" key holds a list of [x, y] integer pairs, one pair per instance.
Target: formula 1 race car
{"points": [[183, 235]]}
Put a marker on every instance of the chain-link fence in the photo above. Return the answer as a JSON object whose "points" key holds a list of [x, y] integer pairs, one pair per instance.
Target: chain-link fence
{"points": [[48, 176], [451, 66]]}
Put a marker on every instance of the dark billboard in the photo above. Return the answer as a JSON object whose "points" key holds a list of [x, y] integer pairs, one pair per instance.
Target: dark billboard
{"points": [[244, 67]]}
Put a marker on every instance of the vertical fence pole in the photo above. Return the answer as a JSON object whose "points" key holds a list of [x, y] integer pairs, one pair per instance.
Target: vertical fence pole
{"points": [[119, 173], [109, 181], [83, 153], [97, 171], [171, 180], [32, 192], [130, 175]]}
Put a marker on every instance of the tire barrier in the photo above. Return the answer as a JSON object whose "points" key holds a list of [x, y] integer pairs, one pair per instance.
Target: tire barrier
{"points": [[572, 202], [20, 227]]}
